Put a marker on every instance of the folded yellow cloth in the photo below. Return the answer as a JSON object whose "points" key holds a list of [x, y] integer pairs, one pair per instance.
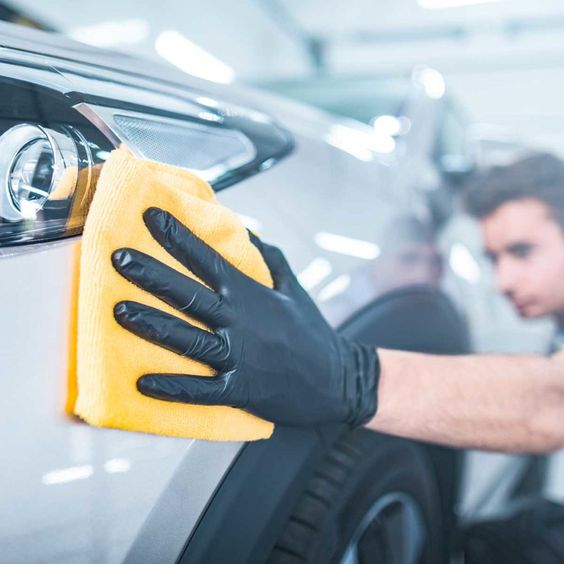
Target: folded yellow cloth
{"points": [[107, 359]]}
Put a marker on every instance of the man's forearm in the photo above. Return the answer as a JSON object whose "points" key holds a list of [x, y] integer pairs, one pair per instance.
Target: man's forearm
{"points": [[505, 403], [291, 367]]}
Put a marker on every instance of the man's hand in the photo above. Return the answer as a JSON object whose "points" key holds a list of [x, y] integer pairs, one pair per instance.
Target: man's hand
{"points": [[274, 354]]}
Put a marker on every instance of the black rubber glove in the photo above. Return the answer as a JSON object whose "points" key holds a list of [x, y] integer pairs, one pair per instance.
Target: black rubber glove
{"points": [[274, 353]]}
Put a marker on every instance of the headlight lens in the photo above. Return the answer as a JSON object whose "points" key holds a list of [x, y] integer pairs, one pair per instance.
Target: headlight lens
{"points": [[30, 176], [49, 156], [35, 161]]}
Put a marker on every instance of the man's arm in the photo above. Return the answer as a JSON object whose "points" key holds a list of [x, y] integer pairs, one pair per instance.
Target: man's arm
{"points": [[494, 402], [276, 356]]}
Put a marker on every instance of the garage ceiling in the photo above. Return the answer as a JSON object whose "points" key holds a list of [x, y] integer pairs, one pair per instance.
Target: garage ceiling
{"points": [[356, 35]]}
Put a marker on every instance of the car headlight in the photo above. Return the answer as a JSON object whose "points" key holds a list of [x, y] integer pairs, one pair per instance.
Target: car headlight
{"points": [[35, 163], [55, 136]]}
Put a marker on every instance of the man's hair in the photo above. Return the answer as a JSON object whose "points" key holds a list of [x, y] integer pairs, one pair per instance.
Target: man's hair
{"points": [[538, 175]]}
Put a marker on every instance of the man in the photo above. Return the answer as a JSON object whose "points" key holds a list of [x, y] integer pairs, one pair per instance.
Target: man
{"points": [[276, 356], [521, 210]]}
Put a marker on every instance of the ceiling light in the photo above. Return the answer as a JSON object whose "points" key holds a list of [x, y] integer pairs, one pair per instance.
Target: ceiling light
{"points": [[431, 81], [316, 271], [64, 475], [464, 264], [360, 143], [112, 34], [334, 288], [441, 4], [387, 125], [191, 59], [117, 465], [347, 246]]}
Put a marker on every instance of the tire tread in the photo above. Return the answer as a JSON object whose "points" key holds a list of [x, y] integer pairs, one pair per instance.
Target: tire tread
{"points": [[311, 533], [331, 476]]}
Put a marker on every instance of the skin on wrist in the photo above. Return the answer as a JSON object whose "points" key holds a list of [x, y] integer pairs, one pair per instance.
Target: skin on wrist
{"points": [[493, 402]]}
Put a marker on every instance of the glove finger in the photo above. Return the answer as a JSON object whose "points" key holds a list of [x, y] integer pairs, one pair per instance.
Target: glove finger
{"points": [[172, 333], [255, 240], [276, 262], [214, 390], [174, 288], [189, 250]]}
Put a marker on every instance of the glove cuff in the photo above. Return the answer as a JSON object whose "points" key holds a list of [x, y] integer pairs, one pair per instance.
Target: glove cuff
{"points": [[362, 375]]}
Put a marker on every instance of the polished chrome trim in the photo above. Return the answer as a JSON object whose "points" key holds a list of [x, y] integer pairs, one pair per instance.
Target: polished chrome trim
{"points": [[91, 113], [41, 246]]}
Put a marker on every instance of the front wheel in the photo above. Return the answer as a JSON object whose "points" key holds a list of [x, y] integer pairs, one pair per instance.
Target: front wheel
{"points": [[374, 500]]}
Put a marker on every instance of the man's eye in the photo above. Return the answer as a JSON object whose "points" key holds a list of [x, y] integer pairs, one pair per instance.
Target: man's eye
{"points": [[521, 251], [491, 257]]}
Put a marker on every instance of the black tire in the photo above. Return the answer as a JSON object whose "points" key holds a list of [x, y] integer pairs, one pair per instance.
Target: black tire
{"points": [[362, 471]]}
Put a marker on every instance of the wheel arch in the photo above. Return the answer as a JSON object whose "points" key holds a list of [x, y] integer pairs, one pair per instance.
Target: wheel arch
{"points": [[252, 504]]}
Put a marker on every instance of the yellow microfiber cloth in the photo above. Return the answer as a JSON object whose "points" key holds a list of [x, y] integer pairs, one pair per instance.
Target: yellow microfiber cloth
{"points": [[107, 359]]}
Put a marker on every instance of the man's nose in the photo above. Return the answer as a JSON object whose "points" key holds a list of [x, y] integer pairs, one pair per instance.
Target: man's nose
{"points": [[506, 277]]}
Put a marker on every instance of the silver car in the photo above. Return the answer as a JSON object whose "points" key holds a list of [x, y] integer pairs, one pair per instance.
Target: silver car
{"points": [[356, 223]]}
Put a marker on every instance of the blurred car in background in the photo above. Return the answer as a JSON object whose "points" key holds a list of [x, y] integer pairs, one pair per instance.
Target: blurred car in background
{"points": [[429, 131], [352, 205]]}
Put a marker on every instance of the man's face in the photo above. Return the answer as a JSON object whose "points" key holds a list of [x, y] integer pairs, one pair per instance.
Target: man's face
{"points": [[526, 247]]}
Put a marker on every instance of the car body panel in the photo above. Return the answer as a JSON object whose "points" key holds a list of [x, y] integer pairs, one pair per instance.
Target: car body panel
{"points": [[71, 492]]}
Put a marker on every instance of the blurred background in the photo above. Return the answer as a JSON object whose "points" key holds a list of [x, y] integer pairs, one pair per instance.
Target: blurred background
{"points": [[500, 59]]}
